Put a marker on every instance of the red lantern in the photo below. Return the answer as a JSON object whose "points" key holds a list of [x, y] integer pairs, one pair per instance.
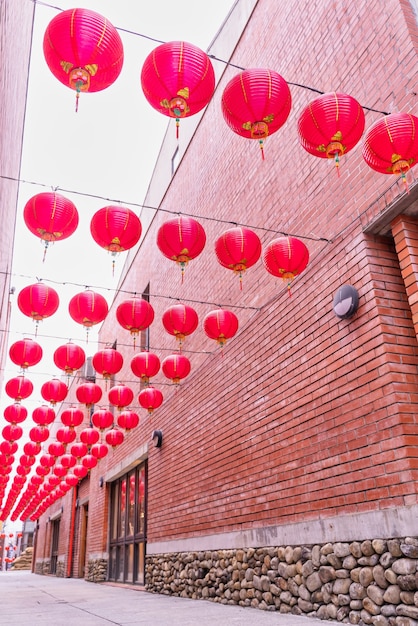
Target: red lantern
{"points": [[15, 413], [47, 460], [83, 50], [71, 480], [256, 103], [180, 320], [220, 325], [181, 239], [286, 257], [43, 415], [54, 391], [80, 471], [27, 460], [102, 419], [237, 249], [88, 308], [8, 447], [115, 229], [150, 399], [177, 79], [69, 358], [145, 365], [88, 394], [56, 449], [39, 434], [31, 448], [128, 420], [78, 450], [68, 460], [99, 450], [120, 396], [19, 388], [59, 470], [25, 353], [72, 417], [51, 217], [65, 435], [176, 367], [114, 437], [107, 362], [89, 436], [135, 314], [391, 144], [331, 125], [38, 301], [12, 432], [89, 461]]}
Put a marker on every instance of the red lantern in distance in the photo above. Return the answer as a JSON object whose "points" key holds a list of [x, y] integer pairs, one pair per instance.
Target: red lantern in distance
{"points": [[176, 367], [150, 399], [43, 415], [89, 436], [391, 144], [79, 450], [88, 394], [128, 420], [180, 320], [51, 217], [99, 450], [72, 417], [89, 461], [102, 419], [181, 240], [177, 79], [115, 229], [39, 434], [83, 50], [19, 388], [15, 413], [88, 308], [120, 396], [56, 449], [114, 437], [66, 435], [25, 353], [286, 257], [256, 103], [135, 315], [237, 249], [38, 301], [54, 391], [69, 358], [11, 433], [145, 365], [220, 325], [107, 362], [331, 125]]}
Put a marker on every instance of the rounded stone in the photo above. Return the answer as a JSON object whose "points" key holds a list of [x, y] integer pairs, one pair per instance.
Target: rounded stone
{"points": [[404, 566], [375, 594], [357, 591], [366, 576], [367, 547], [392, 594], [371, 607]]}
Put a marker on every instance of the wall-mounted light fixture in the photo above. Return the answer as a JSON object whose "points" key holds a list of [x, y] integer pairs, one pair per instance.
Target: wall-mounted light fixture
{"points": [[157, 438], [101, 481], [346, 302]]}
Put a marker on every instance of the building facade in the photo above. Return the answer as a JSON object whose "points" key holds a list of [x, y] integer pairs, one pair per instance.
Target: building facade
{"points": [[286, 478]]}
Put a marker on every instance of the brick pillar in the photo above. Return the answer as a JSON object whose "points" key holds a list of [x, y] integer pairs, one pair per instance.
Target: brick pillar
{"points": [[405, 233]]}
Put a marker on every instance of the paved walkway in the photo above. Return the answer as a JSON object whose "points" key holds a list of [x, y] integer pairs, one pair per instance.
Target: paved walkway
{"points": [[30, 600]]}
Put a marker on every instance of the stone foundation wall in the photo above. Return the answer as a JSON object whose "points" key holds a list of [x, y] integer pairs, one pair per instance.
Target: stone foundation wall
{"points": [[60, 572], [42, 567], [96, 571], [368, 582]]}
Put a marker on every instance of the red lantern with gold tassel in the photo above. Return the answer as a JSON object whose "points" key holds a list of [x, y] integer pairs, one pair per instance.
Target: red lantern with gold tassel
{"points": [[120, 396], [25, 353], [38, 301], [176, 367], [391, 144], [256, 103], [150, 399], [19, 388], [115, 229], [15, 413], [181, 240], [88, 308], [54, 391], [83, 50], [107, 362], [89, 394], [331, 125], [220, 325], [69, 358], [238, 249], [180, 320], [286, 257], [145, 365], [128, 420], [177, 79], [135, 315]]}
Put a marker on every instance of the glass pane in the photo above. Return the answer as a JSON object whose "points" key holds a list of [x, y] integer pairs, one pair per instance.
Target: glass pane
{"points": [[114, 512], [112, 564], [141, 501], [131, 504], [121, 564], [140, 563], [130, 563], [122, 518]]}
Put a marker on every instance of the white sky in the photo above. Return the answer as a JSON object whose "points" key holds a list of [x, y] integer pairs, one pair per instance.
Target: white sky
{"points": [[108, 148]]}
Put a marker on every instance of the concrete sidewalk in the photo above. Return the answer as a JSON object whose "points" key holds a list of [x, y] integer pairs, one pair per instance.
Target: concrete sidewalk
{"points": [[30, 600]]}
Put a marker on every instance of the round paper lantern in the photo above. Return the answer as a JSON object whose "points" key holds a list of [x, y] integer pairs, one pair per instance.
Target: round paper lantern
{"points": [[120, 396], [331, 125], [8, 447], [27, 460], [43, 415], [102, 418], [15, 413], [99, 450], [72, 417], [79, 450], [180, 320], [256, 103], [80, 471], [391, 144], [145, 365], [69, 358], [83, 50], [88, 308], [220, 325], [12, 432], [114, 437], [175, 367], [54, 391], [150, 399], [286, 257], [39, 434], [38, 301], [135, 315], [177, 79], [107, 362], [128, 420], [238, 249], [115, 229], [51, 217], [68, 460], [56, 449], [25, 353], [89, 461], [89, 436], [71, 480], [66, 435], [31, 448], [19, 388], [88, 394], [47, 459], [181, 239]]}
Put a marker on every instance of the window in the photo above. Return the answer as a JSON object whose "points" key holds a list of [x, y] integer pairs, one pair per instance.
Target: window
{"points": [[128, 527]]}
